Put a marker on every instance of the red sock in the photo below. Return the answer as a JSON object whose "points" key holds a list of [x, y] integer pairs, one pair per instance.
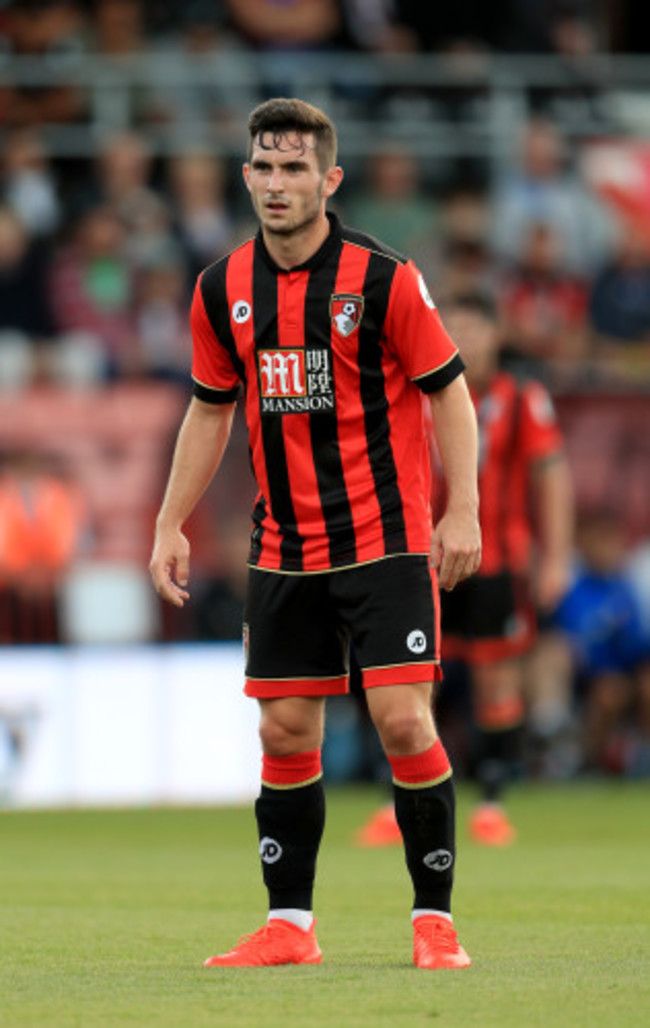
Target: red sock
{"points": [[421, 769], [292, 771]]}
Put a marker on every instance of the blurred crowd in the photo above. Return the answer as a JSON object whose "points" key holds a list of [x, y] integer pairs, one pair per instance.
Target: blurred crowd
{"points": [[96, 283], [117, 27], [98, 258]]}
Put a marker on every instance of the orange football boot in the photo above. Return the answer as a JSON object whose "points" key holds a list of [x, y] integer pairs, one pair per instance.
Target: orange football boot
{"points": [[278, 942], [381, 830], [436, 945], [489, 825]]}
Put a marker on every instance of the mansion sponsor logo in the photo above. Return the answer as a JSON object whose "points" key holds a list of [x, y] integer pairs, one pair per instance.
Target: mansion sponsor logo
{"points": [[295, 381]]}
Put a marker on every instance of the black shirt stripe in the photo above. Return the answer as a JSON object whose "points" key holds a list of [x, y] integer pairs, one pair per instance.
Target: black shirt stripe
{"points": [[376, 289], [260, 513], [323, 426], [217, 308], [265, 322]]}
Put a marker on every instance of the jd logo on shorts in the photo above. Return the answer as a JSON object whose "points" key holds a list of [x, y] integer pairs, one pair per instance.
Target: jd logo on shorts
{"points": [[438, 860], [270, 850], [416, 641]]}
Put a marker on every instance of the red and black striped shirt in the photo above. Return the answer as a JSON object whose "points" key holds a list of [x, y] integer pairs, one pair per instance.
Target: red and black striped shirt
{"points": [[332, 355], [518, 429]]}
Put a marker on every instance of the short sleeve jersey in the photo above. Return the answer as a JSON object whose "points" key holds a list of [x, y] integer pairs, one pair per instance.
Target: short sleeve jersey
{"points": [[333, 356], [517, 429]]}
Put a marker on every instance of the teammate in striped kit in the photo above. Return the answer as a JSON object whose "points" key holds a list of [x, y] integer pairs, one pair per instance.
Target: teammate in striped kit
{"points": [[489, 623], [333, 338]]}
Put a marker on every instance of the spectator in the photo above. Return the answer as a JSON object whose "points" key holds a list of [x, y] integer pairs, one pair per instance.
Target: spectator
{"points": [[544, 308], [292, 25], [92, 288], [119, 28], [578, 98], [203, 221], [28, 183], [542, 191], [600, 617], [392, 203], [372, 26], [619, 306], [52, 30], [25, 316], [161, 317], [120, 32], [408, 25], [42, 523], [124, 172], [457, 257], [202, 39]]}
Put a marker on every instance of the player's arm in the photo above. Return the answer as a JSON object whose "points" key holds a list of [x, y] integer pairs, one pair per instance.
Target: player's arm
{"points": [[456, 542], [553, 500], [200, 446], [551, 493]]}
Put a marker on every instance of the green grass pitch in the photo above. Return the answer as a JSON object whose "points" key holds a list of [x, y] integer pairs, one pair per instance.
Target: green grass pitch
{"points": [[105, 918]]}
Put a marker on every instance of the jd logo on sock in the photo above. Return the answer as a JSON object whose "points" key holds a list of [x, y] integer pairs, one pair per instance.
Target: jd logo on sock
{"points": [[270, 850], [437, 860]]}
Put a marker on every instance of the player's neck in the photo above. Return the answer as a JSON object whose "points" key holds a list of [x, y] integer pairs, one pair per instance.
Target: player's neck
{"points": [[290, 251]]}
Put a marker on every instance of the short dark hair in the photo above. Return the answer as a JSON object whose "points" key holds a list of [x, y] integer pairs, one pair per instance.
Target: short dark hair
{"points": [[282, 114], [481, 304]]}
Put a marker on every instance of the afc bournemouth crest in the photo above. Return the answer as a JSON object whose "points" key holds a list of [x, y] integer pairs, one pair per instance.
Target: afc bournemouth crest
{"points": [[346, 311]]}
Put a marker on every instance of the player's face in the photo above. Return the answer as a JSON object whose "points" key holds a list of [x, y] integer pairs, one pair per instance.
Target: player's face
{"points": [[477, 339], [288, 189]]}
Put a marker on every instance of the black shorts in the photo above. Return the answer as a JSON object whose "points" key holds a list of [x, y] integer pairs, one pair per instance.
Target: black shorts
{"points": [[298, 628], [487, 618]]}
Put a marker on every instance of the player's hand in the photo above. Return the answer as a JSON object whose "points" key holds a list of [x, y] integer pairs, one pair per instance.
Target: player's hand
{"points": [[170, 566], [552, 582], [456, 548]]}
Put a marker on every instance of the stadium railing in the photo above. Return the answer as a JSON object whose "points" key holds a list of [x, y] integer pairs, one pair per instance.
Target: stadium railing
{"points": [[471, 105]]}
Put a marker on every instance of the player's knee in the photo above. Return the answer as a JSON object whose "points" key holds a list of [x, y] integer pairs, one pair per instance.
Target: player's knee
{"points": [[405, 731], [281, 738], [276, 738]]}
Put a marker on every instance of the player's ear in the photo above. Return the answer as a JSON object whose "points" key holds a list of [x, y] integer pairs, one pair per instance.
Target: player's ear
{"points": [[246, 172], [332, 180]]}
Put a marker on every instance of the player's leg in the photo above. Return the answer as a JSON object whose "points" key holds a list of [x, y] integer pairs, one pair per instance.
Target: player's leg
{"points": [[499, 715], [425, 809], [609, 696], [393, 621], [643, 687], [295, 658], [490, 621], [290, 809], [642, 684]]}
